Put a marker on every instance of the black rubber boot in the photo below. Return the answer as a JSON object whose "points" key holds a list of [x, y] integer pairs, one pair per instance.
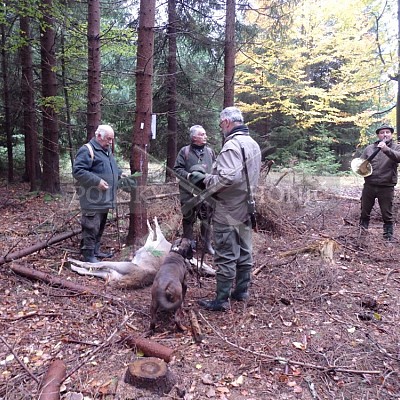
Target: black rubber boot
{"points": [[214, 305], [388, 231], [206, 239], [364, 223], [241, 292], [88, 256], [99, 253], [221, 302], [243, 296]]}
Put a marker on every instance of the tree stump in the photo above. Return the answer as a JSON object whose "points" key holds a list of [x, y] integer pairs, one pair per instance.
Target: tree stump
{"points": [[150, 373]]}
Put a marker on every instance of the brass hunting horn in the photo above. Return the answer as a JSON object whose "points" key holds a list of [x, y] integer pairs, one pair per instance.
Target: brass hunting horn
{"points": [[363, 167]]}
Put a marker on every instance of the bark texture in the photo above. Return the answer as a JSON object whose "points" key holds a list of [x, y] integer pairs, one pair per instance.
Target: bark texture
{"points": [[51, 160], [94, 68], [142, 128]]}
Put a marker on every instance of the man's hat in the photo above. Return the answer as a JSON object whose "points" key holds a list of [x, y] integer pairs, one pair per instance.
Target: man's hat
{"points": [[384, 126]]}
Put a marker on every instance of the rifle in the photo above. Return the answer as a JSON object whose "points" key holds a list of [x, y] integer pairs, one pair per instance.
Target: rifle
{"points": [[251, 204]]}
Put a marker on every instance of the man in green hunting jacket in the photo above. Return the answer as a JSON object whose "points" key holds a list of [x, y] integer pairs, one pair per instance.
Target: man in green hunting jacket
{"points": [[195, 157]]}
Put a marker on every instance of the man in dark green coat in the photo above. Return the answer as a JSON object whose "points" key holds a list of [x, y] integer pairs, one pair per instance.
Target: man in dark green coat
{"points": [[195, 157], [97, 174]]}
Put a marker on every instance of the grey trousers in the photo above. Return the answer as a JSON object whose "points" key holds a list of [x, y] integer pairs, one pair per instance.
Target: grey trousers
{"points": [[233, 251]]}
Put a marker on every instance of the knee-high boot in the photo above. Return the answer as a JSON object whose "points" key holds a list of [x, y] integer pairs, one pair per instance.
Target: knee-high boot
{"points": [[241, 292], [221, 301]]}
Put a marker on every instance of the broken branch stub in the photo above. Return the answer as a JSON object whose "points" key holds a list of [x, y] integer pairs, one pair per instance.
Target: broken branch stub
{"points": [[196, 330]]}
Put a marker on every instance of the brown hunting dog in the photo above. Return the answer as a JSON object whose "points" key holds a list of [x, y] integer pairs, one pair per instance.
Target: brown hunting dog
{"points": [[169, 286]]}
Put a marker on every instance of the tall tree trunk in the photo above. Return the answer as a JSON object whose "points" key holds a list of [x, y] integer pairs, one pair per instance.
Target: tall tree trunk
{"points": [[66, 99], [398, 73], [171, 90], [51, 157], [6, 103], [230, 50], [32, 165], [142, 128], [94, 68]]}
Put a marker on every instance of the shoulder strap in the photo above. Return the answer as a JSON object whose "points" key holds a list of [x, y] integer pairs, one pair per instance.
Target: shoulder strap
{"points": [[187, 148], [210, 151], [90, 148]]}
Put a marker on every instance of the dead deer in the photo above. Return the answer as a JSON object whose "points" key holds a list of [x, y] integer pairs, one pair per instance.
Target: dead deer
{"points": [[138, 272]]}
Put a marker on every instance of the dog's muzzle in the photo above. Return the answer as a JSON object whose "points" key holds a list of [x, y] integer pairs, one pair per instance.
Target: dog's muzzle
{"points": [[183, 247]]}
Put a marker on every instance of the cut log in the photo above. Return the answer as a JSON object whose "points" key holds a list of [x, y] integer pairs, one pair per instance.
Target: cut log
{"points": [[196, 330], [38, 246], [149, 347], [50, 388], [150, 373]]}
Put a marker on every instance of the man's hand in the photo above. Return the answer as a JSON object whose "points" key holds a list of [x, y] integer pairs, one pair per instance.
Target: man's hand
{"points": [[127, 184], [197, 177], [382, 145], [103, 185]]}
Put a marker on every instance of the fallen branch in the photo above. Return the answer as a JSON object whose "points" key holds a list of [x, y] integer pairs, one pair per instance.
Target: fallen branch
{"points": [[38, 246], [196, 330], [272, 265], [56, 281], [161, 196], [22, 364], [31, 314], [50, 388], [288, 361], [338, 196]]}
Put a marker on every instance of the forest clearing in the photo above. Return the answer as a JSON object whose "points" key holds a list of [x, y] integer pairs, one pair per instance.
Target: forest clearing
{"points": [[320, 324]]}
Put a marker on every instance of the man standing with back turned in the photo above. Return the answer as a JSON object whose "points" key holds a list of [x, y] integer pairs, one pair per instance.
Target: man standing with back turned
{"points": [[231, 220]]}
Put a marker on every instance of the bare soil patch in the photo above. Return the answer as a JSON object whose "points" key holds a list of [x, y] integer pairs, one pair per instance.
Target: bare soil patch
{"points": [[313, 329]]}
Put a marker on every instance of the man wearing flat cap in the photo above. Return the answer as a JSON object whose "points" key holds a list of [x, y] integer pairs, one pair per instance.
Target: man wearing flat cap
{"points": [[380, 184]]}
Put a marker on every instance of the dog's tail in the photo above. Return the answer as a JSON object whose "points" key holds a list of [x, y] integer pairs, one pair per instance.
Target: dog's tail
{"points": [[170, 299]]}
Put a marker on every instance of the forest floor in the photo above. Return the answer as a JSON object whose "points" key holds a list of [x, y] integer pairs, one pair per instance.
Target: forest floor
{"points": [[323, 320]]}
